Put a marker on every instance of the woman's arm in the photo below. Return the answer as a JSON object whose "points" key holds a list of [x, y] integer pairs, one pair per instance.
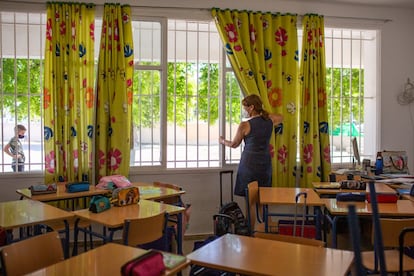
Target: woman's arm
{"points": [[242, 130], [276, 118]]}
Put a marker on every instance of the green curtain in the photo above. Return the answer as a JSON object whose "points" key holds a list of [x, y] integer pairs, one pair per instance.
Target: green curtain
{"points": [[263, 51], [68, 91], [315, 149], [114, 92]]}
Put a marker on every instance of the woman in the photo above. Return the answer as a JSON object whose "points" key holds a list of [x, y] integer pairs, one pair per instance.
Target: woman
{"points": [[255, 162]]}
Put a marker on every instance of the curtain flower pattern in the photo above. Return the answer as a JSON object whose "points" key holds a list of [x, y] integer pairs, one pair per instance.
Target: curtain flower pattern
{"points": [[68, 91], [315, 149], [263, 51], [114, 92]]}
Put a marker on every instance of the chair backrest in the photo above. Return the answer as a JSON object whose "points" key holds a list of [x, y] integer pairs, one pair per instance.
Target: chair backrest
{"points": [[31, 254], [144, 230], [391, 229], [175, 200], [252, 202], [291, 239]]}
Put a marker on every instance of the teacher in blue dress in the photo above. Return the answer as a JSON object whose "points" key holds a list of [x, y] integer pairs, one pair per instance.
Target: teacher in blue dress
{"points": [[255, 162]]}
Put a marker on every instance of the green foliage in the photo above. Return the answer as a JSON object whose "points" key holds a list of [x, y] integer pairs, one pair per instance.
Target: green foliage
{"points": [[345, 91], [19, 96]]}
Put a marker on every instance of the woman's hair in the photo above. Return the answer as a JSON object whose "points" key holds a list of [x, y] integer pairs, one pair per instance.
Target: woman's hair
{"points": [[257, 103]]}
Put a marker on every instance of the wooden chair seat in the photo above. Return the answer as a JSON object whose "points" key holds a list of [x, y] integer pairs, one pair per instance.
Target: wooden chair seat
{"points": [[391, 261]]}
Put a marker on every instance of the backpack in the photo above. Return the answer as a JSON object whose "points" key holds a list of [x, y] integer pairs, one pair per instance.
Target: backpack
{"points": [[230, 219]]}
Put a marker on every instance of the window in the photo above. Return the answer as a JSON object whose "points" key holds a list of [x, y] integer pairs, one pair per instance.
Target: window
{"points": [[178, 110], [351, 78]]}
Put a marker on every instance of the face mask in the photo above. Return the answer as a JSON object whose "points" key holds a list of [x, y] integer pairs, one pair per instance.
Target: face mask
{"points": [[245, 114], [21, 136]]}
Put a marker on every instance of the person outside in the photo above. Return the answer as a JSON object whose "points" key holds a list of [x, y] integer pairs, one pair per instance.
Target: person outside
{"points": [[15, 148], [255, 162]]}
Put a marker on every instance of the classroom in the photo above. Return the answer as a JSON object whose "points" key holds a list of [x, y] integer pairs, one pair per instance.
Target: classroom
{"points": [[183, 148]]}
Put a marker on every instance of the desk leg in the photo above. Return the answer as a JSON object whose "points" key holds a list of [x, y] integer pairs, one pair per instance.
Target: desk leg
{"points": [[266, 217], [333, 221], [318, 214], [67, 238], [180, 234], [75, 238]]}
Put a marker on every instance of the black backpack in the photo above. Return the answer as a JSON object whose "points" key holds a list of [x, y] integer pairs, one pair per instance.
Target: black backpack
{"points": [[230, 219]]}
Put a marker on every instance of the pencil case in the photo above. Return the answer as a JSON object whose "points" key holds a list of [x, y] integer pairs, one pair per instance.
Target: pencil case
{"points": [[353, 185], [384, 198], [75, 187], [43, 189], [351, 197], [149, 264], [125, 196], [99, 203]]}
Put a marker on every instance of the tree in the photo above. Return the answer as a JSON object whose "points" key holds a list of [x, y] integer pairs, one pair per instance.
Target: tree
{"points": [[21, 88]]}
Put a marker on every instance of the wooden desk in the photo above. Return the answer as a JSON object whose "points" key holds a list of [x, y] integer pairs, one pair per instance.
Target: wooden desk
{"points": [[61, 194], [326, 191], [114, 218], [286, 196], [103, 260], [22, 213], [335, 210], [149, 191], [255, 256]]}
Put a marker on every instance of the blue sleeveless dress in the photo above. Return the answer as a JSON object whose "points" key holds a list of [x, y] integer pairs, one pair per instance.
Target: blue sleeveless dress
{"points": [[255, 162]]}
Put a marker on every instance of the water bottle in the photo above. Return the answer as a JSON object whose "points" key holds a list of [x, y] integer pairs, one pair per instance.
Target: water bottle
{"points": [[379, 164]]}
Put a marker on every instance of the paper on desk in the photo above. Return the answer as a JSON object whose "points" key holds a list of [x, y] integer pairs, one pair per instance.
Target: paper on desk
{"points": [[396, 180]]}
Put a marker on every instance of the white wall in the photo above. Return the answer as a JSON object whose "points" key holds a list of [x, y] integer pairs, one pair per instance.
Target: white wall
{"points": [[396, 125]]}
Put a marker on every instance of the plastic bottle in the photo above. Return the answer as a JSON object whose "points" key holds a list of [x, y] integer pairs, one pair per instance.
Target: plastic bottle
{"points": [[379, 164]]}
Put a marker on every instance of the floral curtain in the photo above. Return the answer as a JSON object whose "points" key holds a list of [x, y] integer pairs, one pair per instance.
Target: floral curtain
{"points": [[315, 149], [114, 92], [68, 91], [263, 51]]}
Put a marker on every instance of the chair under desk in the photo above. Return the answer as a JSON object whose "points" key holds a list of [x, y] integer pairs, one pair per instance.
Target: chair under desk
{"points": [[277, 196], [22, 213], [335, 210], [113, 218]]}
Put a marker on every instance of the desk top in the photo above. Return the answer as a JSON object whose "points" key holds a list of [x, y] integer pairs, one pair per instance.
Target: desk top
{"points": [[286, 196], [21, 213], [402, 208], [103, 260], [326, 188], [147, 191], [61, 193], [255, 256], [115, 216]]}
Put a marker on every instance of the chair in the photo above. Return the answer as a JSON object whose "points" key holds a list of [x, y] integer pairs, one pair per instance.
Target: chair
{"points": [[174, 200], [31, 254], [354, 230], [391, 229], [138, 232], [291, 239], [254, 218], [83, 226]]}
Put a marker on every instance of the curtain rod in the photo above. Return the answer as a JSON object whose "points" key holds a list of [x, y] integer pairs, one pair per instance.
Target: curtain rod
{"points": [[37, 2]]}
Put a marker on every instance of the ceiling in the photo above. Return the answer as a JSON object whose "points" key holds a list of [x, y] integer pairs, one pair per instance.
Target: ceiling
{"points": [[405, 4]]}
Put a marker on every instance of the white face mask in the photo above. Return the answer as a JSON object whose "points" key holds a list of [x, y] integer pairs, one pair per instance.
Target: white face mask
{"points": [[245, 114]]}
